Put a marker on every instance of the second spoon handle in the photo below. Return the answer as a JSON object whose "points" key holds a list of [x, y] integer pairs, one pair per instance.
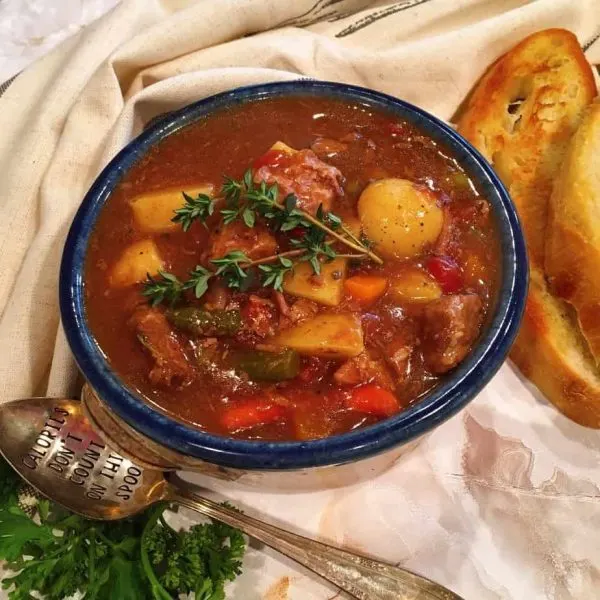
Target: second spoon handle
{"points": [[362, 577]]}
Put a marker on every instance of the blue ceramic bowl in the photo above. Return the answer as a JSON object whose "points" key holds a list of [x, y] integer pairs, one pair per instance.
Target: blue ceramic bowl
{"points": [[458, 388]]}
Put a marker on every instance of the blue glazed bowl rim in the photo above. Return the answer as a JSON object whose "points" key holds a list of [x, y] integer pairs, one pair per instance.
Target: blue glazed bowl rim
{"points": [[442, 403]]}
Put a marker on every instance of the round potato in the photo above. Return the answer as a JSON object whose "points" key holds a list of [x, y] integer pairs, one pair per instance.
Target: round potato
{"points": [[399, 217]]}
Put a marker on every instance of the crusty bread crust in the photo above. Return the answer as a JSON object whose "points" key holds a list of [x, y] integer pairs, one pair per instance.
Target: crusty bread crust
{"points": [[573, 234], [522, 116], [551, 353]]}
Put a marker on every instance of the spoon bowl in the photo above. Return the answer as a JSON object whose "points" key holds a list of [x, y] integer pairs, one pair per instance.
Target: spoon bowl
{"points": [[53, 446]]}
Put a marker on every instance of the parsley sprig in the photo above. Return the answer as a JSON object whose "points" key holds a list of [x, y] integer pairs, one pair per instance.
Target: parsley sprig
{"points": [[55, 554]]}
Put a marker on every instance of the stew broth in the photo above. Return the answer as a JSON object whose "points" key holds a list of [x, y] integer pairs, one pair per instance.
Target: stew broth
{"points": [[412, 333]]}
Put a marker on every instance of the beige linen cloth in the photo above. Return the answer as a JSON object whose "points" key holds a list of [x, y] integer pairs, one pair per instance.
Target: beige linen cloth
{"points": [[502, 501]]}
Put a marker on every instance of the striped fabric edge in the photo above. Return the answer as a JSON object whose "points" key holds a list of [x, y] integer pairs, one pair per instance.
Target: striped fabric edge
{"points": [[4, 86]]}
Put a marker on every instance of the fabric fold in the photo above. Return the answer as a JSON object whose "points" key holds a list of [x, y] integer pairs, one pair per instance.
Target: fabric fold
{"points": [[452, 508]]}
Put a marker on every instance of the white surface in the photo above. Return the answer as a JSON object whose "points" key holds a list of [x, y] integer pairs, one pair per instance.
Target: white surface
{"points": [[30, 28]]}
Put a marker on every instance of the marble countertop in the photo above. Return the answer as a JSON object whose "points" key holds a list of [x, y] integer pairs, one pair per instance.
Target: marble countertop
{"points": [[31, 28]]}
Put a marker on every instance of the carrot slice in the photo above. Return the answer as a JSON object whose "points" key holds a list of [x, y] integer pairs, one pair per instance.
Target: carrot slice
{"points": [[365, 289], [251, 413], [373, 400]]}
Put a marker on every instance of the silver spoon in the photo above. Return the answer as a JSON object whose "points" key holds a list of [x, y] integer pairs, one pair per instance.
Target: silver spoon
{"points": [[53, 446]]}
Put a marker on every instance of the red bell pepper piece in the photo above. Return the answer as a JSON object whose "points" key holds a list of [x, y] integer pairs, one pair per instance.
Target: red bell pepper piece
{"points": [[271, 158], [446, 272], [373, 400], [251, 412]]}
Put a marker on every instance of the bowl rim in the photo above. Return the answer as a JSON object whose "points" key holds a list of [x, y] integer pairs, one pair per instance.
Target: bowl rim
{"points": [[443, 402]]}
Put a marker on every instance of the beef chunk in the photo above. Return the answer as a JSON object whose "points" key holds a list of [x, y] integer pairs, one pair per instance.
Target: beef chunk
{"points": [[171, 367], [398, 355], [304, 174], [301, 310], [217, 296], [256, 242], [451, 325], [364, 369], [258, 317]]}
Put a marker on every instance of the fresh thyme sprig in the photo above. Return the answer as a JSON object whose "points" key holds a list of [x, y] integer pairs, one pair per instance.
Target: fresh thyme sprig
{"points": [[198, 281], [199, 208], [247, 200], [235, 268], [273, 274], [164, 288], [264, 199], [315, 245], [230, 268]]}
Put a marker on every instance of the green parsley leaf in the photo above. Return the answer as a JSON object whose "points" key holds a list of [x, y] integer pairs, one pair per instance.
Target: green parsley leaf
{"points": [[138, 558]]}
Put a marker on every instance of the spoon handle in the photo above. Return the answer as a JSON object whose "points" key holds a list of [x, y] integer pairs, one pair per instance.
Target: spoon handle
{"points": [[362, 577]]}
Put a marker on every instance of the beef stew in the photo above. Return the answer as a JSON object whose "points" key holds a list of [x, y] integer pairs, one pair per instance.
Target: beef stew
{"points": [[290, 269]]}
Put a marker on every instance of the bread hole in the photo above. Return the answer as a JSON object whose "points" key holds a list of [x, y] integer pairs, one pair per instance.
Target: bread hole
{"points": [[513, 109], [513, 106]]}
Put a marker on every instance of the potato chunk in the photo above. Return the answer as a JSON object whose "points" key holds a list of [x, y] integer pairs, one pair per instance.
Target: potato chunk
{"points": [[326, 288], [327, 335], [281, 147], [400, 217], [414, 285], [153, 212], [136, 261]]}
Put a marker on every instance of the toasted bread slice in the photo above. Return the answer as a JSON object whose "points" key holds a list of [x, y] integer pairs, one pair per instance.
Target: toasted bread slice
{"points": [[573, 232], [521, 117], [551, 352]]}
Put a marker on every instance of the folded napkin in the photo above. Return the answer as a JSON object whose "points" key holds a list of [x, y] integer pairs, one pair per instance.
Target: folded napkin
{"points": [[503, 500]]}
